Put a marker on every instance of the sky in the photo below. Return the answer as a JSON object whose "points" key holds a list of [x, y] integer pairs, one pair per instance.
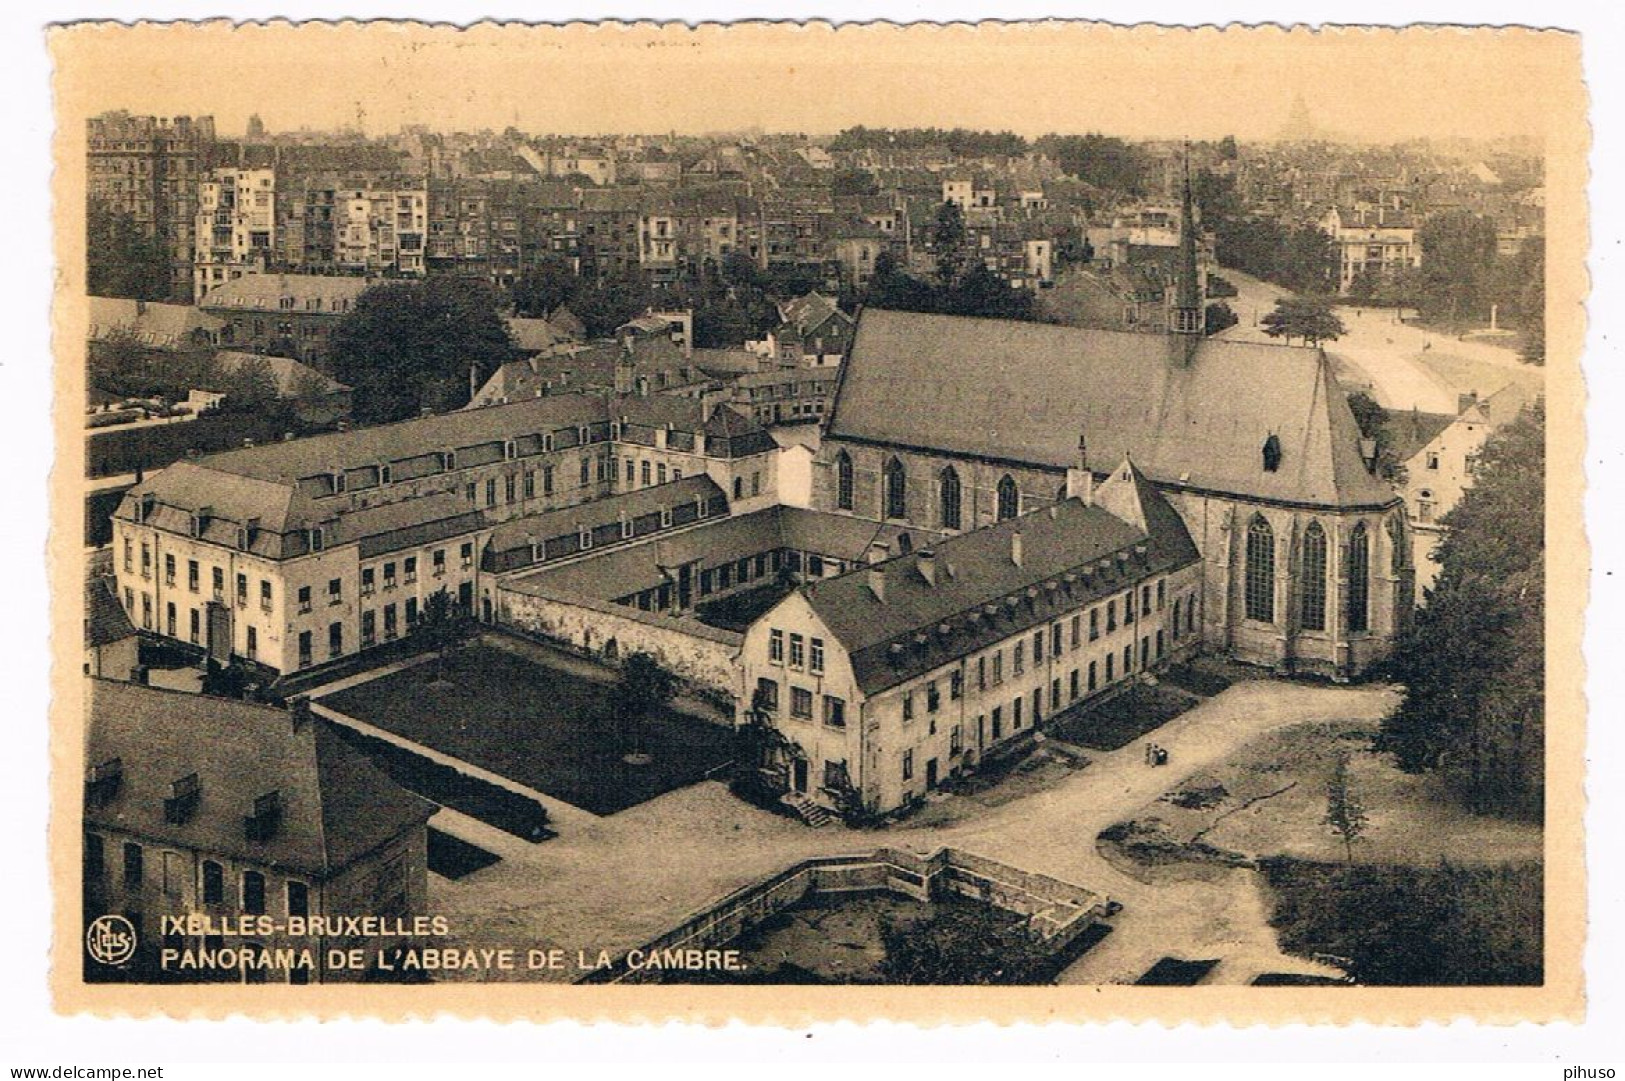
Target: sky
{"points": [[1369, 85]]}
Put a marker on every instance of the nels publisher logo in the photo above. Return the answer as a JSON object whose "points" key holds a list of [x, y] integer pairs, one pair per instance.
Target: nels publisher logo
{"points": [[110, 940]]}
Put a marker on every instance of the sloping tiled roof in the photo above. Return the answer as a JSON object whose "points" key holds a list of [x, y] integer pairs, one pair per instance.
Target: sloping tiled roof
{"points": [[622, 572], [335, 805], [535, 335], [290, 375], [106, 621], [1024, 392], [976, 570], [1411, 430], [408, 438], [160, 325], [264, 292], [628, 505]]}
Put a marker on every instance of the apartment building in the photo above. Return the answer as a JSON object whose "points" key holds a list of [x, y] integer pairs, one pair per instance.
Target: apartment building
{"points": [[236, 227], [150, 167]]}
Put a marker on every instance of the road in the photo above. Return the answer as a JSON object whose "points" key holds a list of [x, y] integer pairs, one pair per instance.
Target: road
{"points": [[1389, 358]]}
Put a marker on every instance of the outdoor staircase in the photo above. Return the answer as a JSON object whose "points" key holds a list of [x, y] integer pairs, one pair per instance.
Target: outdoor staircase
{"points": [[808, 811]]}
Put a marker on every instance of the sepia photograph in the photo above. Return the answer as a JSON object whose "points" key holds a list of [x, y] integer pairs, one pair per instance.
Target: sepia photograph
{"points": [[625, 516]]}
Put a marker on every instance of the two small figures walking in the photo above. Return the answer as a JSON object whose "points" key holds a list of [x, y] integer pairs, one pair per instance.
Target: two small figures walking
{"points": [[1155, 755]]}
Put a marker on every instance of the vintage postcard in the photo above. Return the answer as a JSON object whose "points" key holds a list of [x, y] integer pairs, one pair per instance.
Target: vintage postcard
{"points": [[782, 522]]}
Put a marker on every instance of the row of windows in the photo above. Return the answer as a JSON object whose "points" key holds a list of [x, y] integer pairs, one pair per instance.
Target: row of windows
{"points": [[173, 871], [800, 656], [217, 575], [1258, 590], [801, 703], [950, 492]]}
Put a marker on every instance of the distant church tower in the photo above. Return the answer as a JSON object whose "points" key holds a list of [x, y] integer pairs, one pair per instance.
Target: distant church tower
{"points": [[1186, 315]]}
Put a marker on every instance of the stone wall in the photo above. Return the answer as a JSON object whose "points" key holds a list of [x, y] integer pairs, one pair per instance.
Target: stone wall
{"points": [[1059, 911], [703, 656]]}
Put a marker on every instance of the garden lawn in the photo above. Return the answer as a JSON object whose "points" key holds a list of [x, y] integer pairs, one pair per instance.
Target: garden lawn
{"points": [[543, 728], [1121, 720]]}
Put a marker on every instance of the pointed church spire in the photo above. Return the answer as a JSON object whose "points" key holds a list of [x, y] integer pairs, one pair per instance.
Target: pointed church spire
{"points": [[1187, 313]]}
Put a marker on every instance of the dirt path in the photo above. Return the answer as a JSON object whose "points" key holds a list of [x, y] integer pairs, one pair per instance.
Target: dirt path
{"points": [[616, 882]]}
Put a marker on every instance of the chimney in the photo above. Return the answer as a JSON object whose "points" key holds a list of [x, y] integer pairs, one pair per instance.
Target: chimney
{"points": [[877, 581], [1015, 547], [299, 711], [1368, 453], [1466, 401], [926, 561], [1080, 482]]}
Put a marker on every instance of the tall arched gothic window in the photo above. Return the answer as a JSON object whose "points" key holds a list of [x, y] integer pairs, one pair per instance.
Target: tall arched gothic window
{"points": [[896, 489], [1009, 498], [1359, 590], [1259, 584], [949, 498], [1312, 589], [843, 481], [1397, 552]]}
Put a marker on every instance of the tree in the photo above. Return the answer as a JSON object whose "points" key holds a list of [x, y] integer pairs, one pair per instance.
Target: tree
{"points": [[962, 945], [644, 688], [1472, 660], [1308, 318], [948, 241], [1345, 813], [1372, 420], [1218, 316], [1101, 160], [411, 346], [543, 287], [1458, 262], [121, 260], [437, 629], [250, 385], [607, 304]]}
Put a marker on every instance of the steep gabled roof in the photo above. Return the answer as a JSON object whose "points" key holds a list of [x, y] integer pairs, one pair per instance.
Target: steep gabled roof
{"points": [[336, 806], [1024, 392]]}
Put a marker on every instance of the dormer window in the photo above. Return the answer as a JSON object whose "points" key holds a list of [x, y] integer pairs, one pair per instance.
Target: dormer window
{"points": [[242, 538], [195, 527], [450, 458], [102, 781], [626, 528], [585, 539], [316, 539], [261, 825], [1272, 453], [665, 517], [184, 796], [510, 449], [547, 442], [581, 436]]}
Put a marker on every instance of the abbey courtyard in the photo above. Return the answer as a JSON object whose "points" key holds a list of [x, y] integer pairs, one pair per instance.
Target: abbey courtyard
{"points": [[1081, 621]]}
